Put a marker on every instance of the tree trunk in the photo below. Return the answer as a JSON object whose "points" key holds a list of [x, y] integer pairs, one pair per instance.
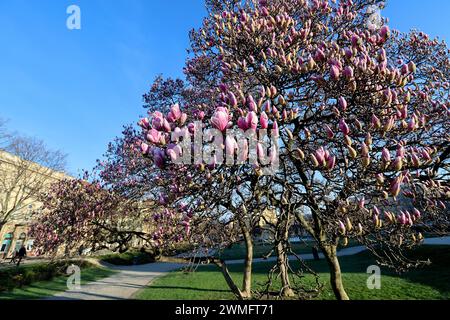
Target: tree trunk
{"points": [[226, 274], [335, 272], [247, 281], [284, 272]]}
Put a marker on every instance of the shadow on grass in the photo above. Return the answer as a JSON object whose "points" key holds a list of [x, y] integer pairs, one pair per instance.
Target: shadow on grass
{"points": [[45, 289]]}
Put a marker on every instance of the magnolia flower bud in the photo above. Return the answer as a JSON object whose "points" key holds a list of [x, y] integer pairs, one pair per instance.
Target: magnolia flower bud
{"points": [[251, 103], [376, 122], [348, 72], [385, 32], [273, 91], [335, 73], [329, 131], [398, 164], [314, 161], [360, 229], [395, 187], [264, 120], [348, 224], [299, 154], [348, 141], [364, 150], [412, 67], [320, 55], [417, 213], [366, 161], [331, 162], [352, 152], [343, 103], [344, 127], [252, 120], [376, 220], [242, 124], [289, 133], [342, 229], [183, 119], [232, 99], [385, 156], [145, 148], [380, 178], [368, 140]]}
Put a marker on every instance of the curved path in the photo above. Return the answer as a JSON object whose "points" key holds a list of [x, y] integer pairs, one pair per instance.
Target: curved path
{"points": [[119, 286], [130, 279], [343, 252]]}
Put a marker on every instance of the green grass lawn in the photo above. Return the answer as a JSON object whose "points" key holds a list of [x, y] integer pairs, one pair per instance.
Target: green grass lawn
{"points": [[237, 251], [430, 282], [42, 289]]}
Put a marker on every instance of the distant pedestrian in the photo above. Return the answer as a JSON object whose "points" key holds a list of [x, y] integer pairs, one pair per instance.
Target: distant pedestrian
{"points": [[21, 254], [315, 252]]}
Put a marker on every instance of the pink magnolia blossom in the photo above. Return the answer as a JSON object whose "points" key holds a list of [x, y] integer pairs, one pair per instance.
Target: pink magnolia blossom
{"points": [[264, 120], [252, 120], [348, 72], [251, 103], [220, 119], [175, 113], [232, 99], [154, 136], [242, 123], [335, 72]]}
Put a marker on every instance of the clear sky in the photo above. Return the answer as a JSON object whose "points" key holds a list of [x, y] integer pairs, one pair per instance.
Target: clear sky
{"points": [[75, 89]]}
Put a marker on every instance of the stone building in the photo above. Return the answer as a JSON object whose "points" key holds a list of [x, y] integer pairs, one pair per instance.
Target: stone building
{"points": [[20, 183]]}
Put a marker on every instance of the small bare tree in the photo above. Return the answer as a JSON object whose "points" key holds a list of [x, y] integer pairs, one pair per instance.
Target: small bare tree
{"points": [[27, 166], [3, 133]]}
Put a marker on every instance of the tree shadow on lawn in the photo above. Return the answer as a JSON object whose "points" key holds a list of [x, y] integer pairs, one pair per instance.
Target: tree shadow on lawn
{"points": [[34, 291]]}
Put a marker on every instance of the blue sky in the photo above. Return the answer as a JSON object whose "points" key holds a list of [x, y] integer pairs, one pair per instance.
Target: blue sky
{"points": [[75, 89]]}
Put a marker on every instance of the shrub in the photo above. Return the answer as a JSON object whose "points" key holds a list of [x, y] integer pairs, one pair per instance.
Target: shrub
{"points": [[16, 277], [128, 258]]}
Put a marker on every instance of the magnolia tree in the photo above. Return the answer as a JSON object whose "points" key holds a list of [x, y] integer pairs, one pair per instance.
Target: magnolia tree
{"points": [[76, 215], [115, 208], [358, 118]]}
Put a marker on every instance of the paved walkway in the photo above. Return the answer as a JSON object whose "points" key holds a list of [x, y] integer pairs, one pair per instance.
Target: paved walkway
{"points": [[309, 256], [120, 286], [341, 253]]}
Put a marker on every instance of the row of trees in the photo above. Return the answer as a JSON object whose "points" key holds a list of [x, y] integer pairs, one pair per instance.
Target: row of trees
{"points": [[358, 144]]}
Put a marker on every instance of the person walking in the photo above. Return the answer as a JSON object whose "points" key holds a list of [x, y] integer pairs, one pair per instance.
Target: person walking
{"points": [[21, 254]]}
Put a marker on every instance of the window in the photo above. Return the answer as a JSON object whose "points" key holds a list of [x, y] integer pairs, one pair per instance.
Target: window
{"points": [[29, 245], [5, 246]]}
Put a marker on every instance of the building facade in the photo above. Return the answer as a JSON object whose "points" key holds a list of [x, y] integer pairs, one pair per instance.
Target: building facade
{"points": [[20, 183]]}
